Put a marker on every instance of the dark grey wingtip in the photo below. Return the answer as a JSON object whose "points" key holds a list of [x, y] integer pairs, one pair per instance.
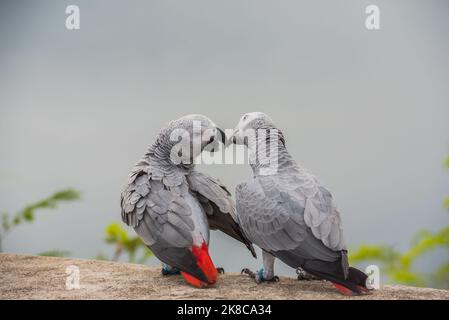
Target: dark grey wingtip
{"points": [[251, 248]]}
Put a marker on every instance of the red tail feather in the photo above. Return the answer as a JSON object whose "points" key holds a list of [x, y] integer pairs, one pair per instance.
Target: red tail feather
{"points": [[343, 290], [205, 264], [193, 281]]}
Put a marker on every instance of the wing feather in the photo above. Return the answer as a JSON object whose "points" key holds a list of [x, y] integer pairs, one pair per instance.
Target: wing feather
{"points": [[219, 206], [158, 214], [279, 216]]}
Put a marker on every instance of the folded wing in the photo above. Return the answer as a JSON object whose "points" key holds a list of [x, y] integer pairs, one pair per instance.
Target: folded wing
{"points": [[162, 219], [218, 205]]}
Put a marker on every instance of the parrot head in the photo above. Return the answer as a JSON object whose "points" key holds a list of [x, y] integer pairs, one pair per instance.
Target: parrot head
{"points": [[194, 133], [249, 125]]}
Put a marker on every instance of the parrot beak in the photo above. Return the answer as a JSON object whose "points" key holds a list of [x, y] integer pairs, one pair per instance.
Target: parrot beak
{"points": [[232, 139], [222, 136], [214, 141]]}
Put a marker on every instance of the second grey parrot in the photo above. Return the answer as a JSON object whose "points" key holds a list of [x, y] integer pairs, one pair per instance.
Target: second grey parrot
{"points": [[171, 206], [288, 213]]}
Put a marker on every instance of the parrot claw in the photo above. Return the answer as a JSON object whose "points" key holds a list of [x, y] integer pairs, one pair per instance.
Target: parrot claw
{"points": [[259, 276], [220, 270], [248, 272], [303, 275], [170, 271]]}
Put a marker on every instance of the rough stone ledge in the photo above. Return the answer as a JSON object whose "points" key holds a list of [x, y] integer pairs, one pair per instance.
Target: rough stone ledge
{"points": [[31, 277]]}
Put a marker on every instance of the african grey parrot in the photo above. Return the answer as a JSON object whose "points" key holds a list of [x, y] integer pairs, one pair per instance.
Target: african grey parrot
{"points": [[288, 213], [171, 206]]}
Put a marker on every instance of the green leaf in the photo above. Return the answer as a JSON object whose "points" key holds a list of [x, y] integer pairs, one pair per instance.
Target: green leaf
{"points": [[372, 252], [441, 275], [54, 253], [147, 254], [419, 236], [398, 266], [28, 215], [6, 223], [446, 202], [51, 202], [101, 256], [408, 277], [16, 220], [115, 233], [446, 162], [65, 195]]}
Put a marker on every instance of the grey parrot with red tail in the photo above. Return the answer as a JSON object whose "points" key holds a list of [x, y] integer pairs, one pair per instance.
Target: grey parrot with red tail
{"points": [[171, 206]]}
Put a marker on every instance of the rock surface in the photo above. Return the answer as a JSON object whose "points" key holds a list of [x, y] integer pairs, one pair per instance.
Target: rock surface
{"points": [[31, 277]]}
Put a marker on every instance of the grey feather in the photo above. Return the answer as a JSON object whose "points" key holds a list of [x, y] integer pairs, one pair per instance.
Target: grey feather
{"points": [[156, 213]]}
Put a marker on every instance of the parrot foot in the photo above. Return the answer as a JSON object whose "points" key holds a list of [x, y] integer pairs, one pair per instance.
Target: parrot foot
{"points": [[248, 272], [303, 275], [220, 270], [170, 271], [259, 276]]}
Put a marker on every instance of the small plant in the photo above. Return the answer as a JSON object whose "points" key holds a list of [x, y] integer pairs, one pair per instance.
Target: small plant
{"points": [[27, 214], [133, 246], [398, 266], [115, 234], [55, 253]]}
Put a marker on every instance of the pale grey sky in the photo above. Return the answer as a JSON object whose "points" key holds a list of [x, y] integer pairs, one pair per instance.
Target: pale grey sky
{"points": [[366, 111]]}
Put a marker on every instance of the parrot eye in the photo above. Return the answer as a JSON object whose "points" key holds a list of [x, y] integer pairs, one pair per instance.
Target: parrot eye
{"points": [[245, 117]]}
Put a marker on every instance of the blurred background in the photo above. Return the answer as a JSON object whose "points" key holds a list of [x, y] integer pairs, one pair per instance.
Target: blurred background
{"points": [[366, 111]]}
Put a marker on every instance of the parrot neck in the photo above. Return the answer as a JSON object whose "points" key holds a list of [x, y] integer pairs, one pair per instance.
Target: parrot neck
{"points": [[160, 155], [268, 154]]}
